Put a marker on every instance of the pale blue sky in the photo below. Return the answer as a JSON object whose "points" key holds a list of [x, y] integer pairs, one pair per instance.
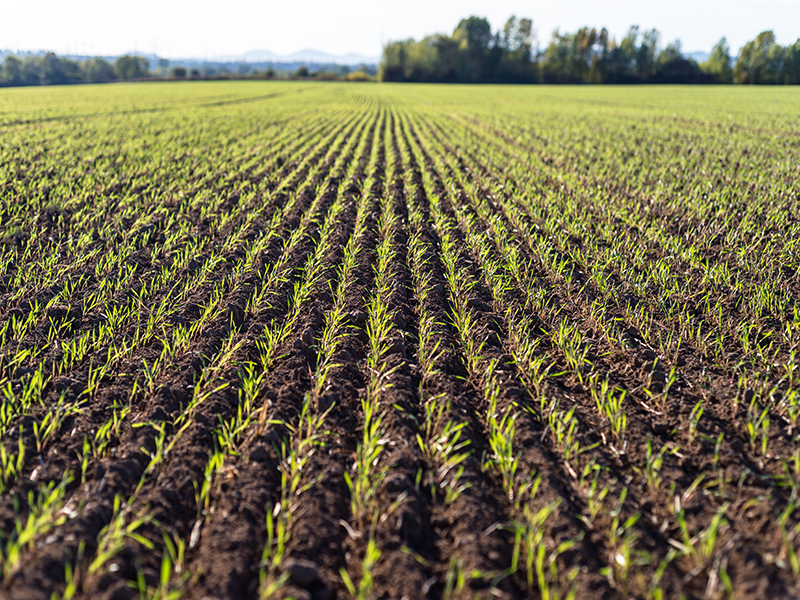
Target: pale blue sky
{"points": [[206, 29]]}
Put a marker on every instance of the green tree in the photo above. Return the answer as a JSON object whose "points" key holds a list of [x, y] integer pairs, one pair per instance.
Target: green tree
{"points": [[474, 54], [32, 71], [556, 62], [670, 53], [576, 57], [471, 54], [98, 70], [569, 56], [478, 33], [753, 65], [516, 42], [517, 36], [774, 68], [474, 37], [673, 67], [718, 64], [791, 64], [646, 54], [619, 59], [131, 67], [12, 70], [393, 61], [55, 70]]}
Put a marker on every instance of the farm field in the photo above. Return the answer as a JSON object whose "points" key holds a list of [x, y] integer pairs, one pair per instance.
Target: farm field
{"points": [[314, 341]]}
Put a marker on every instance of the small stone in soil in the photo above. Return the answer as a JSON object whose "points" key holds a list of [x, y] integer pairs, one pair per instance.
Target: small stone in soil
{"points": [[493, 339], [660, 427], [260, 454], [316, 316], [358, 317], [294, 592], [515, 392], [303, 573], [21, 372], [396, 483], [440, 522], [396, 346], [325, 401]]}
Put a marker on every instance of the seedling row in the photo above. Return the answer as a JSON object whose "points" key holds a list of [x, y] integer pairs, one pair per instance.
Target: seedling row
{"points": [[273, 340]]}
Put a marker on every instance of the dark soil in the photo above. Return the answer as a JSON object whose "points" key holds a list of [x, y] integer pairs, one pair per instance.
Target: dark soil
{"points": [[425, 547]]}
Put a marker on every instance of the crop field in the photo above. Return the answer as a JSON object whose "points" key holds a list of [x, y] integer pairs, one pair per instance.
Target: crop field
{"points": [[316, 341]]}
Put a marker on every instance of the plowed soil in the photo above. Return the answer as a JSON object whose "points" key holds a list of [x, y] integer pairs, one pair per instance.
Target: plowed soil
{"points": [[614, 226]]}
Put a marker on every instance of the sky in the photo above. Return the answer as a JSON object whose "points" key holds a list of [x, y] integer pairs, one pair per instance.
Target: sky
{"points": [[215, 29]]}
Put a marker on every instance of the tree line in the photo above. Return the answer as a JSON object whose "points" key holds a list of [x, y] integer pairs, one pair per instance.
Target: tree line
{"points": [[50, 69], [475, 54]]}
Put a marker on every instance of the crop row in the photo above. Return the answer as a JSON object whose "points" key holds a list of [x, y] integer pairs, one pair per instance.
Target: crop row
{"points": [[317, 341]]}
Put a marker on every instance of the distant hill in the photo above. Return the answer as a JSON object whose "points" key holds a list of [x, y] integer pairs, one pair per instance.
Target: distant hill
{"points": [[310, 56], [698, 57], [307, 57]]}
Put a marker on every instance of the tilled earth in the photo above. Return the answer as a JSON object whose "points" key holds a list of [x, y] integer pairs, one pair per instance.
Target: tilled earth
{"points": [[274, 228]]}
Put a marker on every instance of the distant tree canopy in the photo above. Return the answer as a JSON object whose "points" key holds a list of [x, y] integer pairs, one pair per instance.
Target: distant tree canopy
{"points": [[719, 62], [474, 54], [99, 71], [131, 67], [763, 60], [50, 69], [36, 70]]}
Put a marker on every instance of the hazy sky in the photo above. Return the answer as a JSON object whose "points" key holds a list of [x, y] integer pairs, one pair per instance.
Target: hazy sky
{"points": [[206, 29]]}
